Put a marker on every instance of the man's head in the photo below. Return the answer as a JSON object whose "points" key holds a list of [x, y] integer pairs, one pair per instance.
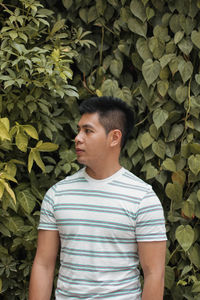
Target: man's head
{"points": [[113, 114]]}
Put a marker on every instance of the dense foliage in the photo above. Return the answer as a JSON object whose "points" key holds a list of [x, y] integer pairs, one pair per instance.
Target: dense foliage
{"points": [[143, 51]]}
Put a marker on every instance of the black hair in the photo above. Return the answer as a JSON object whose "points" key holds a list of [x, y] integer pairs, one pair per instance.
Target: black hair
{"points": [[113, 113]]}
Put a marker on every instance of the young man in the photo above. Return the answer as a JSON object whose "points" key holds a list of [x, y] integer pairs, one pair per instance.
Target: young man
{"points": [[104, 219]]}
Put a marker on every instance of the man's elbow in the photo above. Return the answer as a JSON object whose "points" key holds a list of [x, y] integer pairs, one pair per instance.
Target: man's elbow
{"points": [[156, 274]]}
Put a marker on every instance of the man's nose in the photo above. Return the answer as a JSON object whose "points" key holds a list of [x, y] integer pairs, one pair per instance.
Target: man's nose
{"points": [[79, 137]]}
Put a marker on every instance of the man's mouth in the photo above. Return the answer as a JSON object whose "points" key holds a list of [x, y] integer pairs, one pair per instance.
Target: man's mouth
{"points": [[78, 151]]}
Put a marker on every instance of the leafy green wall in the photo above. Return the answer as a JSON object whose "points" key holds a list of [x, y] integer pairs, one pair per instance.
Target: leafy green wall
{"points": [[145, 52]]}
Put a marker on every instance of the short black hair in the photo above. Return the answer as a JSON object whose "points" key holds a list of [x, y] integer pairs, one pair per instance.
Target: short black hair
{"points": [[113, 113]]}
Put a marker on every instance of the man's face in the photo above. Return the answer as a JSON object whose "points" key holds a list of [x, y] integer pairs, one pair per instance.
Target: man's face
{"points": [[91, 142]]}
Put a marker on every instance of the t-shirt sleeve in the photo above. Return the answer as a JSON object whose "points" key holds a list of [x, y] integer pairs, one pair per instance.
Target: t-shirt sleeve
{"points": [[47, 218], [150, 222]]}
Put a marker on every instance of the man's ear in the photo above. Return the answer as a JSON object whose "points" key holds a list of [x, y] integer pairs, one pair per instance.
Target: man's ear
{"points": [[115, 138]]}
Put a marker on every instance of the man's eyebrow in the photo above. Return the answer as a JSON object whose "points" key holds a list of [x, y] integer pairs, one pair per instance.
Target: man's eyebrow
{"points": [[85, 126]]}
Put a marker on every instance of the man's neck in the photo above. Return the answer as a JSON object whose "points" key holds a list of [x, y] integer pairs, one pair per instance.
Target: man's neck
{"points": [[102, 172]]}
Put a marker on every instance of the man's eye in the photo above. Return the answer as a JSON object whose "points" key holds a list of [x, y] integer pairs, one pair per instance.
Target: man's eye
{"points": [[88, 130]]}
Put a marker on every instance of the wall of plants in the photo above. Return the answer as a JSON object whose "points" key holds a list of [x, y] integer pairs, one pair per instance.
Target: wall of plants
{"points": [[56, 53]]}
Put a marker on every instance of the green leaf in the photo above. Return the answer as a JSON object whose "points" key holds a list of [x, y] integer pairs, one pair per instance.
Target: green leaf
{"points": [[20, 48], [146, 140], [32, 107], [137, 157], [154, 131], [38, 160], [196, 287], [186, 46], [4, 134], [161, 178], [6, 175], [14, 223], [137, 26], [174, 191], [83, 15], [165, 59], [169, 165], [101, 6], [126, 163], [138, 10], [8, 189], [131, 147], [92, 14], [30, 161], [185, 69], [188, 208], [21, 141], [198, 195], [150, 71], [124, 47], [31, 131], [173, 64], [174, 23], [161, 32], [143, 49], [176, 131], [160, 116], [126, 95], [194, 163], [13, 34], [185, 236], [66, 168], [195, 37], [188, 23], [47, 147], [114, 3], [150, 13], [164, 73], [57, 26], [162, 87], [26, 200], [6, 123], [109, 87], [4, 230], [186, 270], [67, 3], [159, 148], [181, 93], [169, 277], [179, 177], [157, 47], [194, 255], [116, 67], [3, 251], [148, 154], [151, 171], [85, 63], [178, 36], [136, 61], [1, 190]]}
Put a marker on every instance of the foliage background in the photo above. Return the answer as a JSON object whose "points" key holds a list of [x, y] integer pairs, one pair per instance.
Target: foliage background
{"points": [[56, 53]]}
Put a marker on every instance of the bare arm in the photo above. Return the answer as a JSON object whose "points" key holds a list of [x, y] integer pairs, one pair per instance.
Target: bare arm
{"points": [[152, 259], [43, 266]]}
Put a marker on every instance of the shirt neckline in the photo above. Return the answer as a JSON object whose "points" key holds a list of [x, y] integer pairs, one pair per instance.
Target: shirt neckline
{"points": [[105, 180]]}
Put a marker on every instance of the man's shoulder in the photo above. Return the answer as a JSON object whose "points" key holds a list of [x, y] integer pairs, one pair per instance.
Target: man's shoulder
{"points": [[130, 178], [70, 180]]}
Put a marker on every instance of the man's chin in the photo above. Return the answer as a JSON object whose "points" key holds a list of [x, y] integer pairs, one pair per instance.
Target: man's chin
{"points": [[80, 161]]}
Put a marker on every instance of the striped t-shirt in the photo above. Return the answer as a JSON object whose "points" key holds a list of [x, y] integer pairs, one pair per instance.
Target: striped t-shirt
{"points": [[100, 223]]}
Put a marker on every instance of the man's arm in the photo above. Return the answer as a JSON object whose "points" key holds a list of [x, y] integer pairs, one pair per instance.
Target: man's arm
{"points": [[152, 260], [44, 264]]}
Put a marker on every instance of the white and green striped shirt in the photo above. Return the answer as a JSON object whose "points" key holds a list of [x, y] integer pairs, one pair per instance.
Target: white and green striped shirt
{"points": [[100, 223]]}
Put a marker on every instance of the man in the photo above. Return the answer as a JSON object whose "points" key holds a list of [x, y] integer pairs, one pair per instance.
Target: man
{"points": [[104, 219]]}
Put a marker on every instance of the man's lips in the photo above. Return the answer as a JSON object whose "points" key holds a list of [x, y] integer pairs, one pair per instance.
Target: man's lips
{"points": [[78, 150]]}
